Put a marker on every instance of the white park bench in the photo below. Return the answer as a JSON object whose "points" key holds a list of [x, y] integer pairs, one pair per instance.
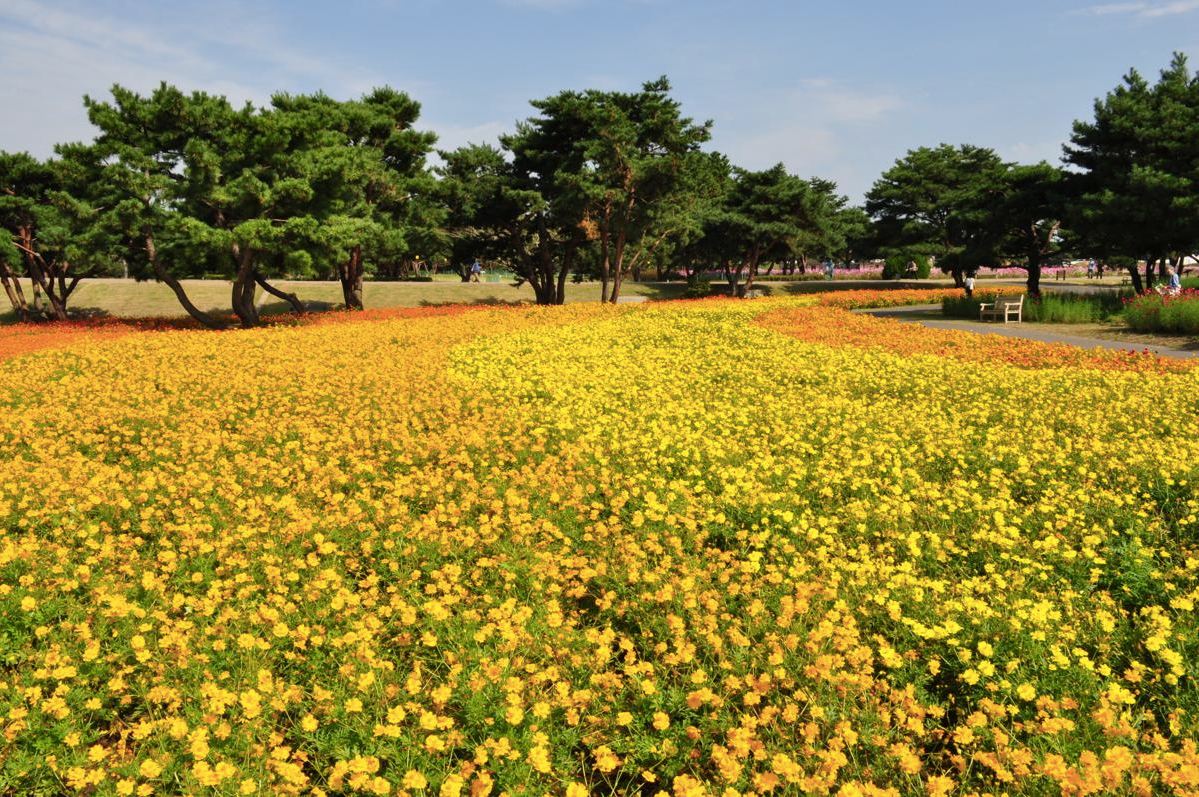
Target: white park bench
{"points": [[1005, 308]]}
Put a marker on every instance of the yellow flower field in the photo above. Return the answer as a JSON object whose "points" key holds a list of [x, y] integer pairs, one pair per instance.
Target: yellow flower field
{"points": [[592, 550]]}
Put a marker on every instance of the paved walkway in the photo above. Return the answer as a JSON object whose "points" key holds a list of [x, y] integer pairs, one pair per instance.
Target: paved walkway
{"points": [[912, 314]]}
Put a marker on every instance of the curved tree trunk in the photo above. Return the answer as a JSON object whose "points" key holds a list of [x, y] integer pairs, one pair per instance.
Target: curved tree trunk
{"points": [[16, 294], [58, 306], [43, 276], [1135, 276], [296, 305], [180, 294]]}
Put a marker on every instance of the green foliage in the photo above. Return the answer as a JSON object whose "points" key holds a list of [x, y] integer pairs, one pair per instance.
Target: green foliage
{"points": [[193, 186], [1154, 313], [1050, 308], [906, 265], [937, 202], [1054, 308], [1026, 218], [963, 306], [47, 225], [1137, 186], [599, 180], [697, 288]]}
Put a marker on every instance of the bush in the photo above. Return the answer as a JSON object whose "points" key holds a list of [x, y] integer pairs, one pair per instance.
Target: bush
{"points": [[962, 307], [1049, 309], [1074, 309], [698, 288], [1151, 312], [901, 266]]}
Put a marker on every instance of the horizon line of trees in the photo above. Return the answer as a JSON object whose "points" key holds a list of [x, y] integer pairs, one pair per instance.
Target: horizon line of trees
{"points": [[595, 184]]}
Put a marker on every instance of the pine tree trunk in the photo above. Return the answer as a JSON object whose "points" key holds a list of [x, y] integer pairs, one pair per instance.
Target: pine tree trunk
{"points": [[1034, 279], [1135, 276], [563, 273], [296, 305], [605, 265], [350, 273], [1150, 266], [243, 287], [180, 294], [58, 306], [16, 294]]}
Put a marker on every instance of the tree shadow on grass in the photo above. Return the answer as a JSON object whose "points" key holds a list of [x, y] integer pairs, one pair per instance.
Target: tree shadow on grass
{"points": [[310, 305], [489, 301], [659, 291]]}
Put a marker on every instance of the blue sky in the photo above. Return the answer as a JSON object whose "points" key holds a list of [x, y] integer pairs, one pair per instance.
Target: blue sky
{"points": [[838, 90]]}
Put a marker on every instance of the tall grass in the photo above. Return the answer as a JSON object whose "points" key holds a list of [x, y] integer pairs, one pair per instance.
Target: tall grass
{"points": [[1051, 308], [961, 307]]}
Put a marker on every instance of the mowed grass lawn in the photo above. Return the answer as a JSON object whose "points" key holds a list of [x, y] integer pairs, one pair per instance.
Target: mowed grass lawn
{"points": [[126, 298], [130, 299]]}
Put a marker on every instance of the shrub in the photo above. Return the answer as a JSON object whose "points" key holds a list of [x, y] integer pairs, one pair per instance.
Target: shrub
{"points": [[1152, 312], [901, 265], [1049, 309], [1073, 308], [697, 288], [963, 307]]}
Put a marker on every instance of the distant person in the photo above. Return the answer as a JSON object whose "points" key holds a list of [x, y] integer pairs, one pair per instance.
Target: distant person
{"points": [[475, 270], [828, 269], [1173, 282], [970, 286], [1099, 270], [1090, 269]]}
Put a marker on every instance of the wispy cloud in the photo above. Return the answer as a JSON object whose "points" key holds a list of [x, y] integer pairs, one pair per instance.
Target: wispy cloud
{"points": [[544, 5], [817, 126], [1147, 10], [53, 53], [450, 136], [835, 101]]}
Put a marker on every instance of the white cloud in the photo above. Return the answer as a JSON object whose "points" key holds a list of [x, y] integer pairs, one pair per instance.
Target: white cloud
{"points": [[1032, 152], [53, 54], [452, 136], [818, 127], [832, 101], [1148, 10]]}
